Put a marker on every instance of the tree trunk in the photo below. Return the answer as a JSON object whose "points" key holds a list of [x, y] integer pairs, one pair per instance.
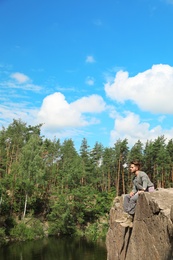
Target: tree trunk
{"points": [[163, 178], [118, 177], [172, 174], [123, 182], [26, 200], [109, 180]]}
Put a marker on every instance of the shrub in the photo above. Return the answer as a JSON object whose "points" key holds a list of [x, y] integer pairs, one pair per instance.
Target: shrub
{"points": [[2, 236], [22, 232]]}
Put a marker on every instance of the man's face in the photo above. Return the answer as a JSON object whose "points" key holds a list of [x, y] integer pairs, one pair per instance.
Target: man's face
{"points": [[133, 168]]}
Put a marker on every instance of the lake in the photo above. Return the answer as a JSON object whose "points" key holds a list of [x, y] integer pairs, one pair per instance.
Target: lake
{"points": [[54, 249]]}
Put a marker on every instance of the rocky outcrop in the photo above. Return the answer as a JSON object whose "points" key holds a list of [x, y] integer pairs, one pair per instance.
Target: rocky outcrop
{"points": [[152, 234]]}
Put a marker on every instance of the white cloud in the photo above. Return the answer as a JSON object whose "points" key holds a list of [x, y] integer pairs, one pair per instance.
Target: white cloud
{"points": [[19, 81], [151, 90], [89, 81], [90, 59], [19, 110], [20, 77], [90, 104], [63, 133], [29, 87], [57, 113], [131, 127]]}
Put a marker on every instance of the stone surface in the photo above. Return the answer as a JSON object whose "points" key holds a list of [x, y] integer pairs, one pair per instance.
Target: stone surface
{"points": [[152, 234]]}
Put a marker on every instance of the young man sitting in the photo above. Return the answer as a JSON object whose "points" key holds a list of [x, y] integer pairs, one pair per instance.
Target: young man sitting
{"points": [[141, 183]]}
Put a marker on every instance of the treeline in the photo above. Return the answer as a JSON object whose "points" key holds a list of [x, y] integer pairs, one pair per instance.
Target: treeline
{"points": [[51, 181]]}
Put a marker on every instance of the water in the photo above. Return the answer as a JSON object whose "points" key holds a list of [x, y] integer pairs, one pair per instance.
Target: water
{"points": [[54, 249]]}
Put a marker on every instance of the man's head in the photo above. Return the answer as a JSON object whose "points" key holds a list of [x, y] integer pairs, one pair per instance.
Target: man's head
{"points": [[134, 166]]}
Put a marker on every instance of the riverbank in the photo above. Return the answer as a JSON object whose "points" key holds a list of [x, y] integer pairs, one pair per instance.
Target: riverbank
{"points": [[14, 230]]}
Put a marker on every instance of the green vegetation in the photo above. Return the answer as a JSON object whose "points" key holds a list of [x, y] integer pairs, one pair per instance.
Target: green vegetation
{"points": [[47, 187], [24, 232]]}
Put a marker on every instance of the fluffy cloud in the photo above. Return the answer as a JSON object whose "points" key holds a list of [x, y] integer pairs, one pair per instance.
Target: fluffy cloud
{"points": [[90, 81], [131, 127], [20, 77], [57, 113], [19, 81], [151, 90], [91, 104], [90, 59]]}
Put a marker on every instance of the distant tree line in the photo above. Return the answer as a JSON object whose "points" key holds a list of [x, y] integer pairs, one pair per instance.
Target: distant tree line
{"points": [[47, 178]]}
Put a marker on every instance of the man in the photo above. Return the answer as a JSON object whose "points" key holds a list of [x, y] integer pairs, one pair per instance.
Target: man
{"points": [[141, 183]]}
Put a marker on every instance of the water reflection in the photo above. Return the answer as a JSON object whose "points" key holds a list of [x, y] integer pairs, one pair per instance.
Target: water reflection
{"points": [[54, 249]]}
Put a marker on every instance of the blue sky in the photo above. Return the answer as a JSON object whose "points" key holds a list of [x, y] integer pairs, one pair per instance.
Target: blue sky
{"points": [[102, 70]]}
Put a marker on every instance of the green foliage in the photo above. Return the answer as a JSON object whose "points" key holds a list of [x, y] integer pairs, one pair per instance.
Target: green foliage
{"points": [[103, 203], [61, 219], [2, 236], [72, 190], [96, 231], [92, 231], [22, 232], [136, 152]]}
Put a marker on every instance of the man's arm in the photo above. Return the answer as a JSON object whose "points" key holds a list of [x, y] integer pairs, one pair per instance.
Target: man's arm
{"points": [[144, 178]]}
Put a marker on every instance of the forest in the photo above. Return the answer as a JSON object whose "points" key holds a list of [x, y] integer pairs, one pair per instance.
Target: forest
{"points": [[49, 188]]}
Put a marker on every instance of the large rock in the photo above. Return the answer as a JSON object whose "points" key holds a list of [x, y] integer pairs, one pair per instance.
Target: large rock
{"points": [[152, 234]]}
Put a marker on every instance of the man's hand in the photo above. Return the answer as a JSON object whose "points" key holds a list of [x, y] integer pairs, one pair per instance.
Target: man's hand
{"points": [[140, 191], [131, 193]]}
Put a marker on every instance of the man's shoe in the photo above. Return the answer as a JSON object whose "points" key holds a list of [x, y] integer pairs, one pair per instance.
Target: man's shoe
{"points": [[123, 218], [128, 222], [131, 225]]}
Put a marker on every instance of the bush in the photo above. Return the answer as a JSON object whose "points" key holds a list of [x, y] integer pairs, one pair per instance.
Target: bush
{"points": [[2, 236], [22, 232], [61, 218], [98, 230], [62, 226]]}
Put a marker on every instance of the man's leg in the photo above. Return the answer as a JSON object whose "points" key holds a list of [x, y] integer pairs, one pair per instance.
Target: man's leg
{"points": [[126, 202], [124, 216], [129, 206], [132, 204]]}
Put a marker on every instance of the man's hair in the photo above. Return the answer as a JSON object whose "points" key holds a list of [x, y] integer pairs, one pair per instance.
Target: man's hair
{"points": [[136, 163]]}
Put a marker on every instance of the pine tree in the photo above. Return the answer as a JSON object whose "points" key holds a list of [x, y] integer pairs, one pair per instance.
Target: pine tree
{"points": [[31, 169], [86, 162], [121, 152], [169, 149], [108, 169]]}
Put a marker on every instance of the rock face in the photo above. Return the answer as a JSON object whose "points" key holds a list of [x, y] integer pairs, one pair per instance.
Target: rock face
{"points": [[152, 234]]}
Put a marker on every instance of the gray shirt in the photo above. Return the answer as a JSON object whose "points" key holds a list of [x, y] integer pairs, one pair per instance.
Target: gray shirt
{"points": [[141, 181]]}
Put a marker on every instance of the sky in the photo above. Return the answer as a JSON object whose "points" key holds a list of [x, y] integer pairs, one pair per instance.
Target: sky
{"points": [[100, 70]]}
